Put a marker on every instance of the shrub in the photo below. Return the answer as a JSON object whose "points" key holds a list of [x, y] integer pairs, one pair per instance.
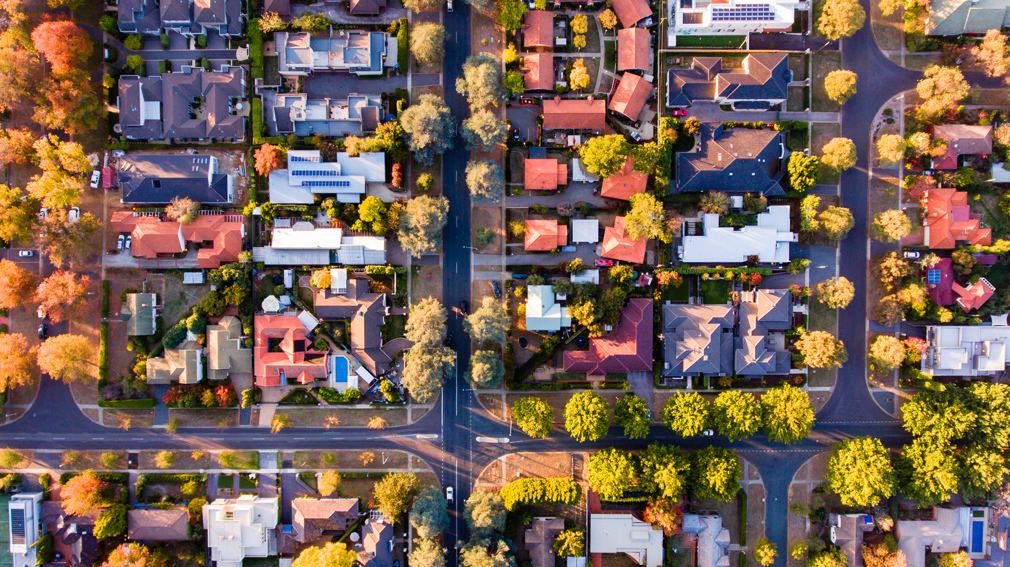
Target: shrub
{"points": [[548, 491]]}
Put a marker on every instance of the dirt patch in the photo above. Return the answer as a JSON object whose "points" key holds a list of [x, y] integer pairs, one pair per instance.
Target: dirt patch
{"points": [[189, 460], [425, 281], [320, 460], [516, 215], [822, 318], [492, 403], [490, 218], [808, 477], [921, 61], [417, 92], [177, 297], [755, 519], [205, 417], [824, 62], [128, 418], [313, 417], [820, 134], [533, 465], [486, 36], [887, 31], [93, 460]]}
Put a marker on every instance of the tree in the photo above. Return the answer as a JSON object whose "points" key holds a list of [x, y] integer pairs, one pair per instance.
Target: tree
{"points": [[992, 53], [765, 552], [428, 514], [311, 22], [887, 352], [481, 82], [489, 322], [579, 41], [17, 215], [129, 555], [424, 5], [891, 268], [941, 89], [271, 22], [821, 350], [135, 63], [428, 128], [839, 153], [16, 146], [66, 102], [620, 274], [183, 209], [9, 458], [55, 189], [372, 216], [64, 45], [830, 557], [534, 416], [111, 522], [587, 416], [66, 357], [943, 416], [632, 413], [840, 18], [736, 414], [788, 414], [328, 482], [483, 131], [486, 180], [982, 470], [991, 403], [840, 85], [426, 323], [17, 285], [487, 551], [268, 158], [69, 243], [330, 555], [686, 413], [111, 460], [608, 19], [891, 226], [715, 474], [570, 543], [604, 155], [510, 13], [280, 422], [427, 553], [715, 203], [883, 554], [860, 472], [164, 459], [664, 470], [486, 369], [514, 81], [647, 218], [424, 371], [394, 494], [955, 559], [891, 149], [888, 7], [836, 292], [927, 471], [664, 513], [578, 77], [835, 223], [427, 42], [485, 513], [421, 224], [82, 494], [610, 472]]}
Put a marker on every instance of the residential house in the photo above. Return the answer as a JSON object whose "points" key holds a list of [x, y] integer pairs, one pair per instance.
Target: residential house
{"points": [[538, 71], [544, 174], [631, 12], [975, 295], [731, 17], [617, 245], [630, 96], [940, 282], [711, 539], [364, 7], [157, 525], [304, 244], [187, 17], [283, 353], [847, 534], [153, 238], [581, 115], [628, 348], [350, 298], [760, 83], [376, 547], [624, 533], [545, 234], [587, 276], [961, 139], [353, 115], [626, 182], [585, 230], [226, 353], [156, 179], [539, 540], [733, 160], [356, 52], [698, 339], [240, 528], [279, 7], [314, 518], [765, 316], [963, 17], [542, 313], [538, 29], [183, 364], [73, 535], [948, 531], [191, 105], [24, 514], [139, 16], [967, 351], [634, 47], [768, 240], [949, 220], [307, 175], [139, 313]]}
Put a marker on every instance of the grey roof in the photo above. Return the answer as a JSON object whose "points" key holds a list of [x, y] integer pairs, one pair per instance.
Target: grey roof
{"points": [[139, 16], [738, 160], [366, 7], [141, 117], [956, 17], [763, 77], [138, 313], [157, 179], [280, 7], [765, 310], [175, 10], [140, 104], [276, 257], [209, 12], [698, 339], [755, 358]]}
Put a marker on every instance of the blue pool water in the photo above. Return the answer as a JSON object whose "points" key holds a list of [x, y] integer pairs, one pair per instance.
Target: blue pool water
{"points": [[977, 529], [339, 370]]}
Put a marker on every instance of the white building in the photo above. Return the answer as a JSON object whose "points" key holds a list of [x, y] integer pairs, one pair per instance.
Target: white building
{"points": [[542, 313], [355, 52], [623, 533], [308, 175], [585, 230], [950, 530], [240, 528], [769, 240], [304, 244], [23, 515], [967, 350], [734, 17]]}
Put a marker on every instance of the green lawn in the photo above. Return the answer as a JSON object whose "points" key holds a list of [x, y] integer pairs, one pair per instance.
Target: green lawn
{"points": [[824, 62], [732, 41], [394, 327], [245, 481], [714, 292], [679, 294], [822, 133], [610, 55], [299, 397]]}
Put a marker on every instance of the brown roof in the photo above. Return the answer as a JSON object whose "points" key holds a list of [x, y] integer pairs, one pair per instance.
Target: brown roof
{"points": [[538, 29], [310, 517], [630, 12], [624, 183], [630, 96], [949, 220], [633, 45], [279, 7], [538, 71], [617, 245], [580, 114], [157, 525], [545, 174], [545, 234], [962, 139], [627, 349], [540, 540]]}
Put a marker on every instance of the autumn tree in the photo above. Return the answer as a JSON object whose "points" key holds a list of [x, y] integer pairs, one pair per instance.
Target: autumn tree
{"points": [[421, 224], [427, 42], [16, 146], [481, 82], [424, 5], [66, 357], [64, 45], [920, 143], [891, 226], [821, 350], [765, 552], [890, 268], [840, 18], [891, 149], [129, 555], [604, 155], [840, 85], [489, 322], [427, 553], [183, 209], [803, 171], [486, 180], [578, 77], [714, 203], [887, 352], [888, 7], [483, 131], [839, 153], [992, 53], [647, 218], [587, 416], [272, 21], [884, 553], [787, 413], [82, 493], [836, 292], [608, 19], [394, 494], [534, 416], [941, 89], [17, 361], [62, 294], [835, 223], [737, 414], [328, 483], [860, 472], [268, 158], [330, 555], [66, 102], [686, 413], [17, 285], [21, 68], [428, 128]]}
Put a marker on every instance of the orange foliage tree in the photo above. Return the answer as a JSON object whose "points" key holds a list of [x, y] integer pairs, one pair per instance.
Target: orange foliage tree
{"points": [[82, 494], [67, 102], [16, 146], [268, 158], [67, 358], [17, 361], [62, 294], [17, 285], [129, 555], [64, 45]]}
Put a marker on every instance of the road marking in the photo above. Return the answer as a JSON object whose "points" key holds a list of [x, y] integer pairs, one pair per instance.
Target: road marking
{"points": [[59, 438]]}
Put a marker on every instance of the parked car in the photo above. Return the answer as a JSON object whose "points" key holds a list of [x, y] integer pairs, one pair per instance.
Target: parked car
{"points": [[42, 331], [448, 6], [463, 305], [129, 240], [912, 255], [520, 276], [568, 248], [25, 253], [604, 263], [529, 100], [43, 213], [120, 242], [448, 340], [497, 290], [74, 214], [96, 178], [448, 494], [681, 112], [41, 312], [515, 135], [708, 432], [636, 135]]}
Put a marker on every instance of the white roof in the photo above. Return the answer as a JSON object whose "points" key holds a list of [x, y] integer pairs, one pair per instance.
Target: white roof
{"points": [[306, 174], [769, 240], [271, 304], [362, 250], [587, 276], [623, 533], [966, 351], [192, 278], [302, 237], [308, 321], [945, 534], [240, 528], [580, 174], [713, 543], [585, 230], [542, 314]]}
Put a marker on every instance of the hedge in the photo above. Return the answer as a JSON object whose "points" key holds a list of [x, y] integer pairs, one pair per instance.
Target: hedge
{"points": [[103, 349], [542, 355], [695, 270], [153, 478], [402, 45], [106, 288], [114, 477], [741, 499], [385, 270], [142, 403], [331, 396], [547, 491]]}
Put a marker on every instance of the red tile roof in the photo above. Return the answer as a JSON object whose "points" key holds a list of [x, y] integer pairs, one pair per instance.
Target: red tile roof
{"points": [[949, 220], [627, 349], [294, 356], [538, 29], [633, 46], [538, 71], [624, 183], [545, 174], [153, 238], [575, 114], [975, 295], [942, 291], [962, 139], [630, 12], [150, 236], [630, 96], [545, 234], [618, 246]]}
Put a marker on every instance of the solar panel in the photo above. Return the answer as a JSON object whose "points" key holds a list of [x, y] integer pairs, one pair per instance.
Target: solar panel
{"points": [[17, 518], [744, 13], [326, 183], [314, 173], [303, 158], [933, 276]]}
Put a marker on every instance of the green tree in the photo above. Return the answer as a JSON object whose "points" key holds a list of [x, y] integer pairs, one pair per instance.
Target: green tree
{"points": [[587, 416], [840, 18], [830, 557], [570, 543], [604, 155], [481, 82], [111, 522], [421, 224], [111, 460], [427, 553], [839, 153], [486, 180], [394, 493], [664, 470], [788, 414], [943, 416], [632, 413], [714, 202], [514, 82], [485, 513], [992, 410], [821, 350], [486, 551], [736, 414], [371, 216], [426, 323], [428, 128], [927, 471], [835, 223], [610, 472], [425, 369], [955, 559], [427, 42], [428, 514], [619, 274], [534, 416], [715, 474], [486, 369], [330, 555], [982, 471], [647, 218], [840, 85], [765, 552], [483, 131], [510, 13], [836, 293], [489, 322], [686, 413]]}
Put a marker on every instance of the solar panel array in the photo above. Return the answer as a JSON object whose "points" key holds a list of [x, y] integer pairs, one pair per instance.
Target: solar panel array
{"points": [[933, 276], [326, 183], [303, 158], [315, 173], [744, 13], [17, 526]]}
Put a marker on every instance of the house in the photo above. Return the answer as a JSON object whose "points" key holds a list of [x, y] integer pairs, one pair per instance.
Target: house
{"points": [[948, 531], [187, 17], [24, 514], [617, 245], [587, 114], [624, 533], [585, 230], [308, 175], [191, 105], [356, 52], [538, 71], [631, 95], [847, 534], [967, 350], [545, 234], [279, 7], [542, 313], [538, 29], [376, 547], [139, 16], [139, 313], [226, 354], [540, 540], [73, 535], [630, 12], [634, 45], [544, 174], [350, 298], [157, 525], [765, 316], [156, 179], [940, 282], [240, 528], [296, 113], [625, 183], [304, 244], [698, 339], [760, 83], [768, 240], [153, 238], [365, 7], [183, 365], [961, 139], [975, 295], [283, 353], [711, 539], [733, 160], [587, 276], [313, 518], [627, 349], [960, 17], [949, 220], [732, 17]]}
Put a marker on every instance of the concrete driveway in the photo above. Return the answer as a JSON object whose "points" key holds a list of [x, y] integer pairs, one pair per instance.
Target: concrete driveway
{"points": [[524, 119], [339, 85]]}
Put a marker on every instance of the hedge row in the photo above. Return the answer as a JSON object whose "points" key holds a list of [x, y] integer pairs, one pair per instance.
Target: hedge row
{"points": [[142, 403], [103, 353], [331, 396], [106, 288], [695, 270], [548, 491], [256, 110], [255, 49], [154, 478], [385, 270], [402, 45], [114, 477]]}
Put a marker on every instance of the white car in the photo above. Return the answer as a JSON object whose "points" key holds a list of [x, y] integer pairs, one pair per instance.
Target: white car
{"points": [[708, 432], [96, 178], [129, 240], [74, 214], [41, 312], [448, 494], [43, 213], [448, 6], [25, 253], [120, 242]]}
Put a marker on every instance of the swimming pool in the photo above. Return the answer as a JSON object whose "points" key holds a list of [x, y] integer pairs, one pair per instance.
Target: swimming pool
{"points": [[339, 372]]}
